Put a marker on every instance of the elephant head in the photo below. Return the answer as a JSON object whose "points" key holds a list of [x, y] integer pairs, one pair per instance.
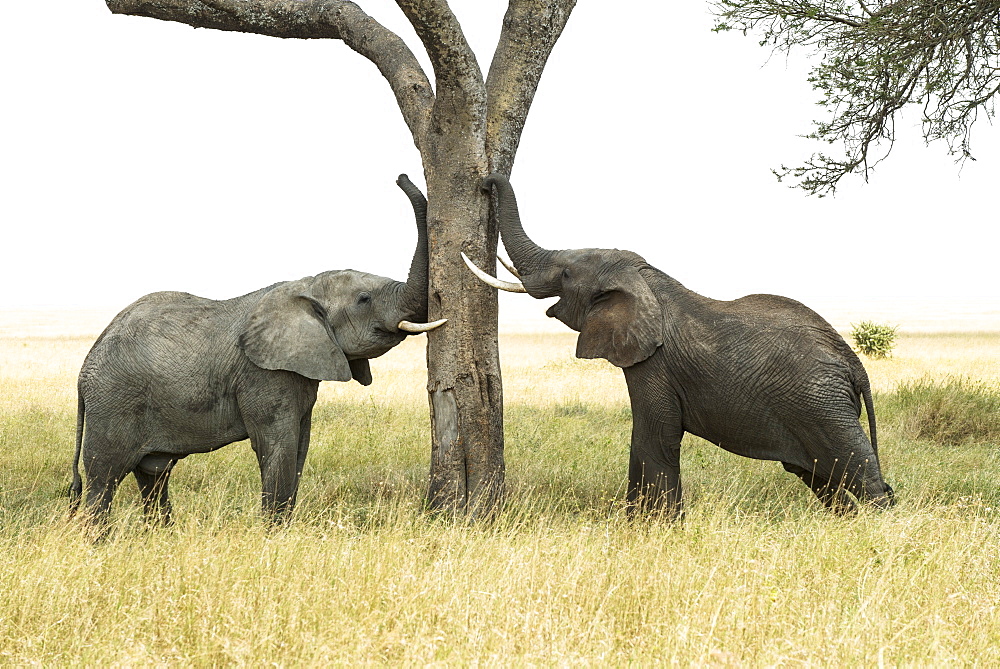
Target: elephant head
{"points": [[328, 326], [602, 292]]}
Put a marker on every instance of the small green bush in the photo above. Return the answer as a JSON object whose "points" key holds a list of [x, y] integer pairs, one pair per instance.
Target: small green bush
{"points": [[873, 339]]}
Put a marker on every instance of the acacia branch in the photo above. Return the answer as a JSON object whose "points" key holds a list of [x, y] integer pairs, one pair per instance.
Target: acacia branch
{"points": [[457, 76], [878, 57], [441, 34], [459, 109], [309, 19], [530, 31]]}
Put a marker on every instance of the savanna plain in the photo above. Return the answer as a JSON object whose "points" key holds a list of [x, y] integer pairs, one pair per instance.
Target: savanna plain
{"points": [[757, 574]]}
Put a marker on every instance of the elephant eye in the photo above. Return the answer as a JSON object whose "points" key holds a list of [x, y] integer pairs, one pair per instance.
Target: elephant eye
{"points": [[364, 298], [565, 273]]}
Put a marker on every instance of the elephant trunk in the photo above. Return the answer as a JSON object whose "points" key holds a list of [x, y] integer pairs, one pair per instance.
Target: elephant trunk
{"points": [[526, 255], [414, 300]]}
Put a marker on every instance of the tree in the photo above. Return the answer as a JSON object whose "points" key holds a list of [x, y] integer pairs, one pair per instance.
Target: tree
{"points": [[876, 58], [464, 127]]}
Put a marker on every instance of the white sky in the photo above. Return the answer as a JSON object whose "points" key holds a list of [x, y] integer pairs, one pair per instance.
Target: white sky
{"points": [[138, 155]]}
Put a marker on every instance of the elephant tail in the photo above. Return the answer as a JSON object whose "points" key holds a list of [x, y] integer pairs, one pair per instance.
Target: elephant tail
{"points": [[866, 392], [863, 387], [76, 487]]}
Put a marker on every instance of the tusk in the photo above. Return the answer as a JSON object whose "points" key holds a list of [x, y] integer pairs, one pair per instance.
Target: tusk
{"points": [[407, 326], [509, 266], [509, 286]]}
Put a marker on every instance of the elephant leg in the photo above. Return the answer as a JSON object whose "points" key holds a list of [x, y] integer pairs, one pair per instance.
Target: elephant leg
{"points": [[843, 462], [153, 476], [829, 488], [104, 473], [277, 457], [862, 475], [654, 472], [880, 499], [305, 429], [654, 482], [278, 422]]}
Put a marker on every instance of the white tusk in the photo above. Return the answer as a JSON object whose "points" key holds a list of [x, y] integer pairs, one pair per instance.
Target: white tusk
{"points": [[499, 284], [509, 266], [407, 326]]}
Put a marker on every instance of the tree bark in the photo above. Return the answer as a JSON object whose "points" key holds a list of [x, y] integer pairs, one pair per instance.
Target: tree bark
{"points": [[464, 129], [530, 31], [463, 365]]}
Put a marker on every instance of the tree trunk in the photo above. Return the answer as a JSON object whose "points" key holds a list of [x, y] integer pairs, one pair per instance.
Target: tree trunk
{"points": [[464, 128], [463, 365], [463, 362]]}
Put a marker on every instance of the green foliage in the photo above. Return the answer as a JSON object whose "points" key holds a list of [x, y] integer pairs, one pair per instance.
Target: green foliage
{"points": [[875, 58], [875, 340]]}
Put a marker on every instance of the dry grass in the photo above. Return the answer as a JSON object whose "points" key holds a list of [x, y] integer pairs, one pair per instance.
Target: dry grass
{"points": [[756, 575], [938, 355]]}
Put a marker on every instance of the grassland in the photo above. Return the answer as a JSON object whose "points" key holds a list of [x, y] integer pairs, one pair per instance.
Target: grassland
{"points": [[757, 574]]}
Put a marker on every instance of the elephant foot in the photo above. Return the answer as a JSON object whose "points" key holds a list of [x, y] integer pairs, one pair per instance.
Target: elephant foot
{"points": [[883, 501]]}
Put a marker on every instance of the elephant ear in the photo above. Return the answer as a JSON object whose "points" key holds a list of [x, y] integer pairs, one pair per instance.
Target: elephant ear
{"points": [[288, 330], [625, 326]]}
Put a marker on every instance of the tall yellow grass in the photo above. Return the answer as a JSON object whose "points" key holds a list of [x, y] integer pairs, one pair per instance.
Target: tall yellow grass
{"points": [[758, 573]]}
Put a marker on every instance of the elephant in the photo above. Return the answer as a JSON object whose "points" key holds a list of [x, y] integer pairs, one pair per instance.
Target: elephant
{"points": [[762, 376], [175, 374]]}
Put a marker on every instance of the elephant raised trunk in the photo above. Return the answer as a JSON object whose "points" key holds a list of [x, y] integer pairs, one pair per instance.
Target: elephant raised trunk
{"points": [[526, 255], [414, 300]]}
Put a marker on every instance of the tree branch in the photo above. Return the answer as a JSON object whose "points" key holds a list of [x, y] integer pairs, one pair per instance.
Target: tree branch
{"points": [[441, 34], [459, 113], [310, 19], [530, 31], [877, 58]]}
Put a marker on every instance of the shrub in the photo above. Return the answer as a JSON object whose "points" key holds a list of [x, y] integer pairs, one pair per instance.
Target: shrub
{"points": [[875, 340], [956, 411]]}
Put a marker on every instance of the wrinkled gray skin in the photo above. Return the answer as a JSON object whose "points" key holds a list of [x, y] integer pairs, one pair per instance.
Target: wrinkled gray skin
{"points": [[762, 376], [175, 374]]}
